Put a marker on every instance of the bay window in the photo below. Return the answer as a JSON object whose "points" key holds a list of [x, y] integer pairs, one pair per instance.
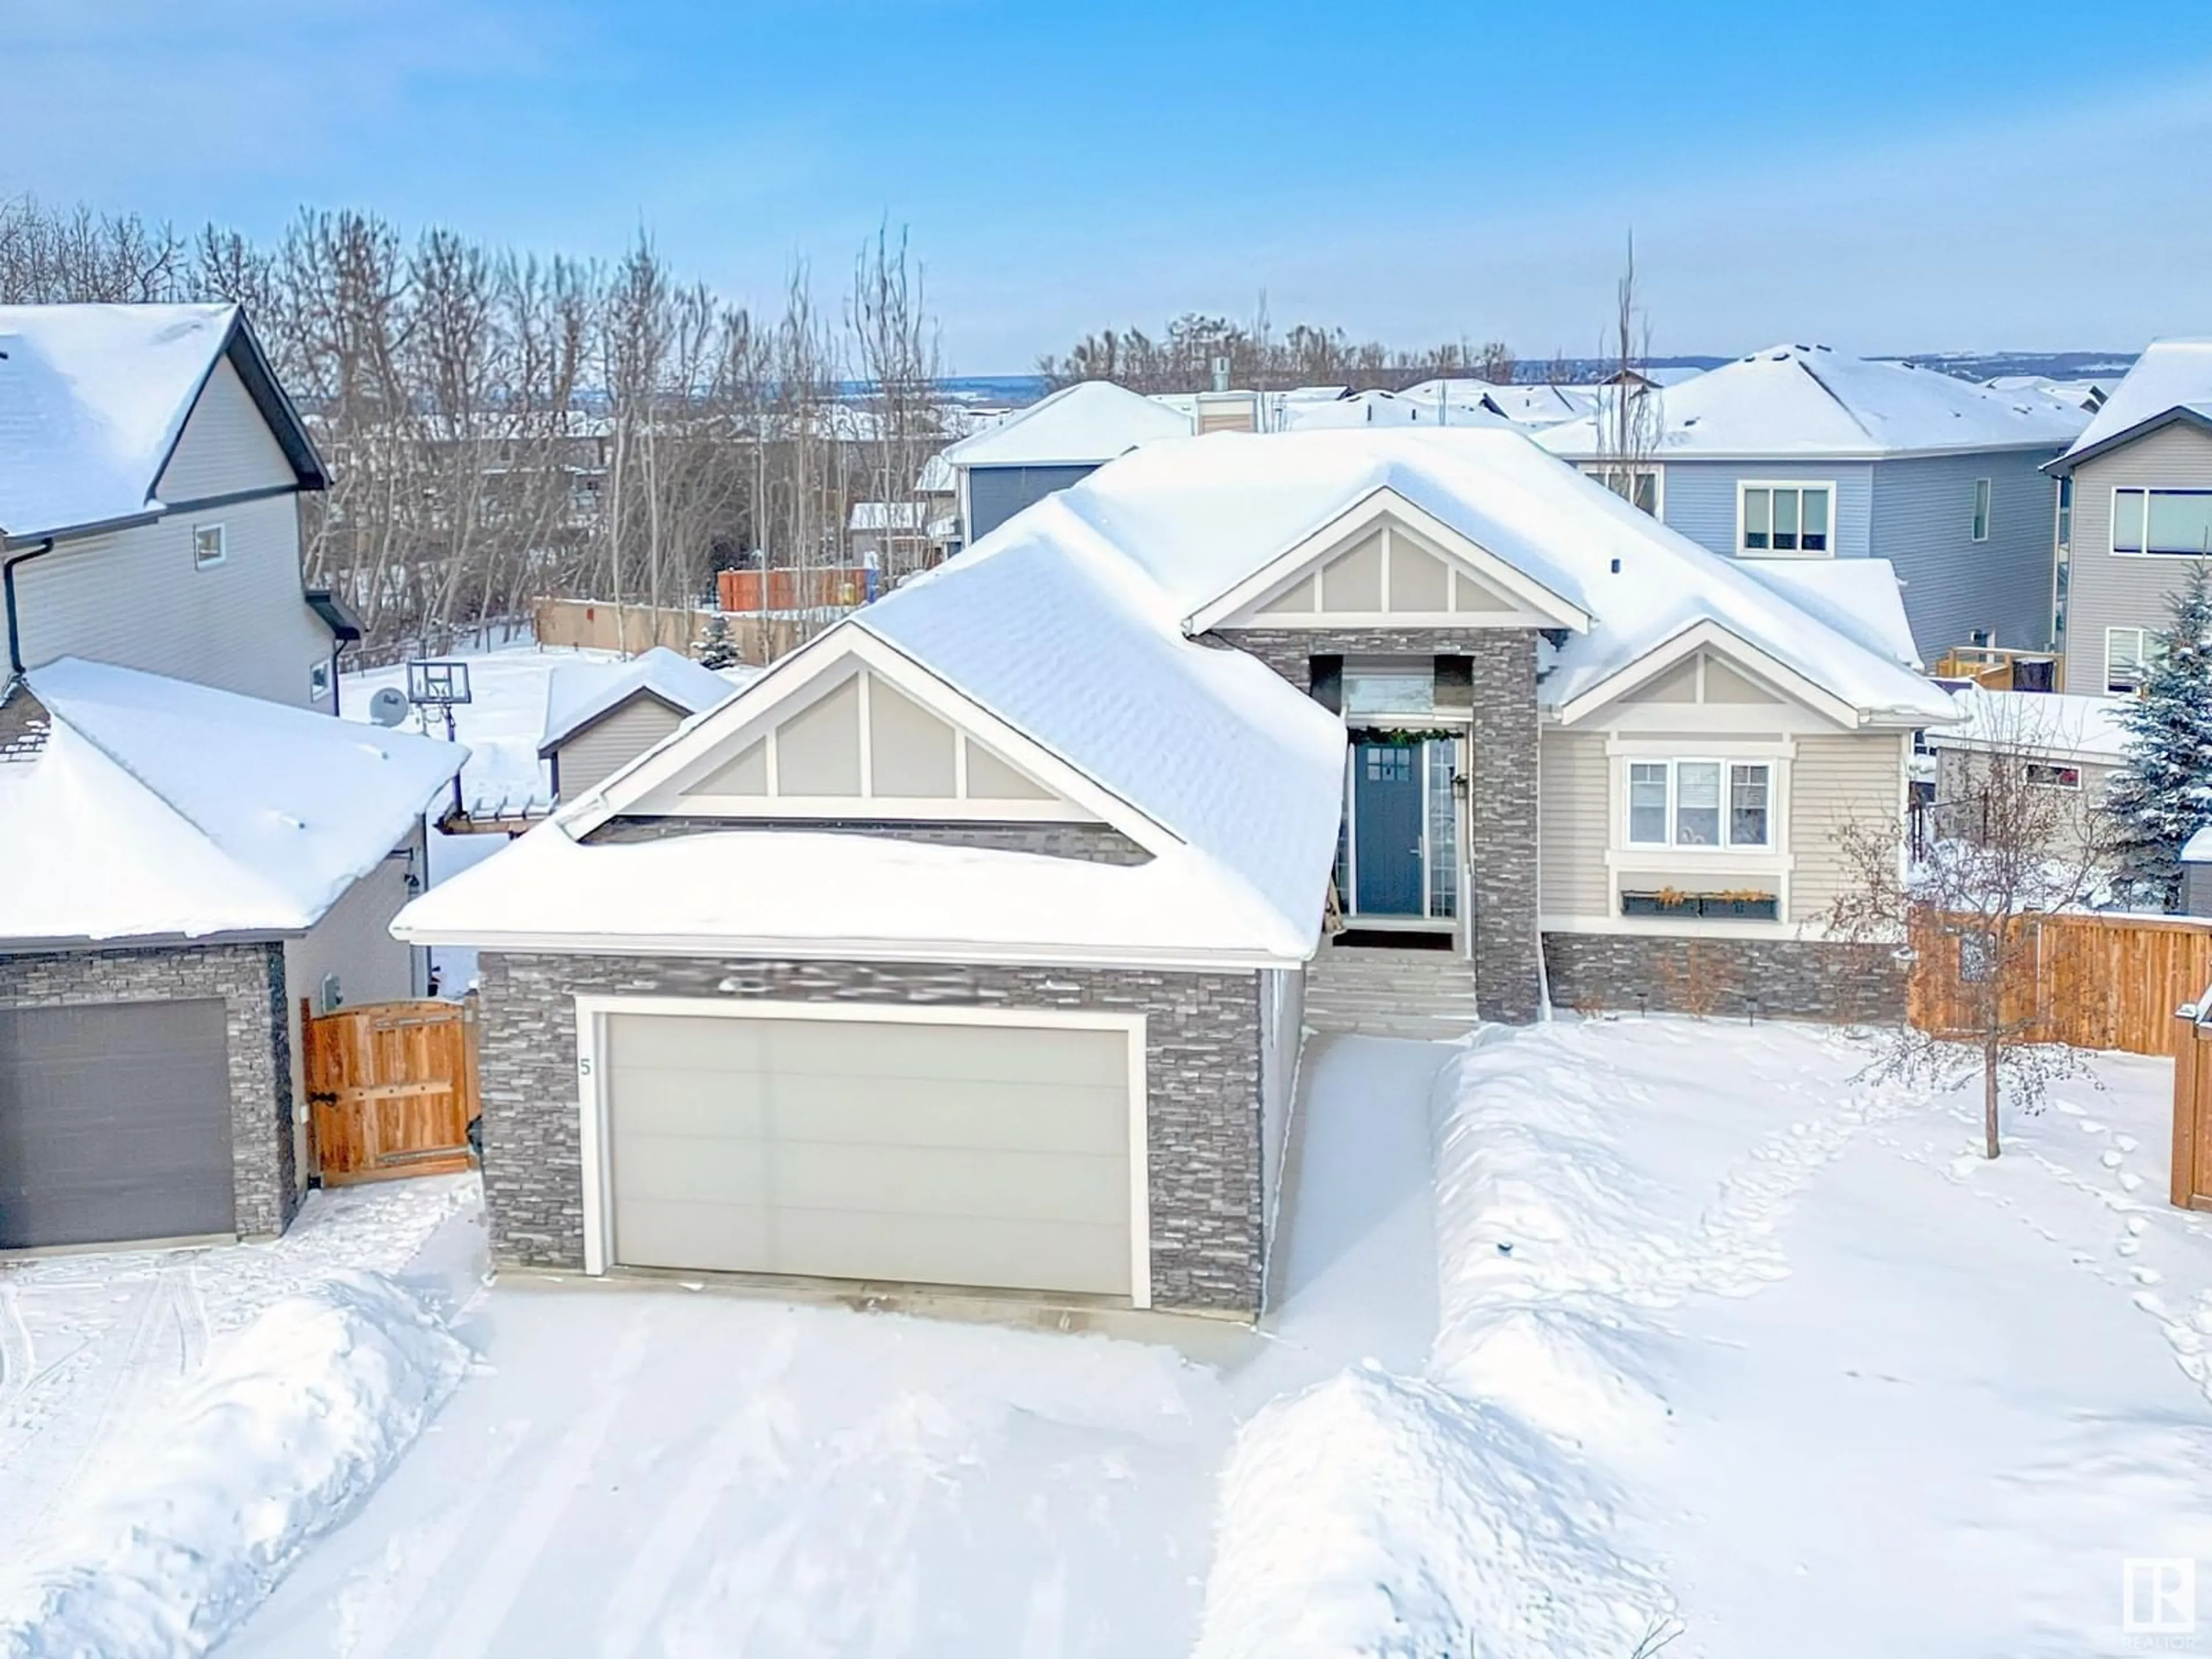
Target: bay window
{"points": [[1701, 802], [1784, 518]]}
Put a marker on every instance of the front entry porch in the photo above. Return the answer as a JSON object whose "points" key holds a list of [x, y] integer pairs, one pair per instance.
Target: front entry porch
{"points": [[1401, 850]]}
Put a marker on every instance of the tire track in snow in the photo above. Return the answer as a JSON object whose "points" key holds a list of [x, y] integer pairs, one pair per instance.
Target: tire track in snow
{"points": [[18, 1356], [504, 1569]]}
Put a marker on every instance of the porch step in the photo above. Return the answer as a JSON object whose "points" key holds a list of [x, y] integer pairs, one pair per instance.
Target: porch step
{"points": [[1378, 991]]}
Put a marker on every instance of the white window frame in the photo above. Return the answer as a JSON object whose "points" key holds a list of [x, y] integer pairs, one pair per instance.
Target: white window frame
{"points": [[1984, 506], [1674, 843], [1744, 486], [1597, 472], [318, 679], [2063, 775], [2146, 653], [201, 559], [2113, 536]]}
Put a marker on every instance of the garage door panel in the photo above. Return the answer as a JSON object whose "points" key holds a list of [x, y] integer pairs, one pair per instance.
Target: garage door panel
{"points": [[936, 1153], [1002, 1053], [922, 1181], [114, 1123], [948, 1112]]}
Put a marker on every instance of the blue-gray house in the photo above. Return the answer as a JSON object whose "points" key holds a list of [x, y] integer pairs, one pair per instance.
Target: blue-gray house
{"points": [[1057, 442], [1801, 452]]}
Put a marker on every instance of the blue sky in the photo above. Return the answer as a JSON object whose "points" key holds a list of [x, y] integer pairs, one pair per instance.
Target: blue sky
{"points": [[1882, 176]]}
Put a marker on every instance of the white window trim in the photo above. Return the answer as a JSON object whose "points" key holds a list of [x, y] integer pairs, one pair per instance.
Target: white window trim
{"points": [[1595, 472], [2112, 518], [596, 1139], [2145, 638], [318, 678], [1726, 844], [223, 546], [1984, 509], [1828, 484]]}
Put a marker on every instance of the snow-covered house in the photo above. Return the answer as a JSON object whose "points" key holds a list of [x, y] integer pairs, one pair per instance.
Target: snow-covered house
{"points": [[600, 716], [968, 945], [2070, 744], [184, 867], [1056, 441], [2135, 504], [151, 469], [1801, 452]]}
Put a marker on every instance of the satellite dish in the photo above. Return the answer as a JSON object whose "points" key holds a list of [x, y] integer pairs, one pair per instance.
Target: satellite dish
{"points": [[388, 706]]}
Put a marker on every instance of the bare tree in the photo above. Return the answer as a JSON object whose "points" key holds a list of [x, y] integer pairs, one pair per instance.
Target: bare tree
{"points": [[1631, 417], [2004, 849]]}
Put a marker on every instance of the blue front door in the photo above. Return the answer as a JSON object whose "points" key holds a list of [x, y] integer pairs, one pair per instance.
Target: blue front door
{"points": [[1386, 830]]}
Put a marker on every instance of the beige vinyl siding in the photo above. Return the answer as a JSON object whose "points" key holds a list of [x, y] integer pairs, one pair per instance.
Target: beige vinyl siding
{"points": [[1572, 822], [354, 941], [607, 745], [1834, 781], [226, 448], [2109, 589], [134, 598]]}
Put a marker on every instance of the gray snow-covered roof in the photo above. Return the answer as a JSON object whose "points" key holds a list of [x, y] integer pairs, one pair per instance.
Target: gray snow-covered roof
{"points": [[93, 398], [580, 694], [2172, 380], [1085, 424]]}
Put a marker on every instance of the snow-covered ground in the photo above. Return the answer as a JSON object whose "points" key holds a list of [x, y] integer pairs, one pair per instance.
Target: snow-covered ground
{"points": [[1590, 1335]]}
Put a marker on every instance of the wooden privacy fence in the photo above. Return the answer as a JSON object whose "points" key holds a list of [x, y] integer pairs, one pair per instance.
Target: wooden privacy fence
{"points": [[391, 1089], [2096, 981]]}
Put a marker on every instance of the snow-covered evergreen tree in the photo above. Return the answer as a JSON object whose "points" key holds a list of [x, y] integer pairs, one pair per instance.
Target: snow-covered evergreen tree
{"points": [[2163, 793], [719, 650]]}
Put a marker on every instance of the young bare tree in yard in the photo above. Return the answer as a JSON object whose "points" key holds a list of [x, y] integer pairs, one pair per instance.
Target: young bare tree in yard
{"points": [[2005, 846], [1631, 417]]}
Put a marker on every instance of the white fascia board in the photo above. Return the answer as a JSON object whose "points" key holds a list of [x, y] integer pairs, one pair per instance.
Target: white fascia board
{"points": [[784, 948], [1380, 503], [759, 706], [1709, 635]]}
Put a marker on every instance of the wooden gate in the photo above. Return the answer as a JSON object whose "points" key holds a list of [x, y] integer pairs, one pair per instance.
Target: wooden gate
{"points": [[391, 1089], [2192, 1106]]}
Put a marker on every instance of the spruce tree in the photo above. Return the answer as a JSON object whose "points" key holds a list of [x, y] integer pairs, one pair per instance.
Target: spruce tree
{"points": [[2162, 794], [719, 650]]}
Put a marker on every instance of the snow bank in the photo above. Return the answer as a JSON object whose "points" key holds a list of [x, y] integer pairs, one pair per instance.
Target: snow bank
{"points": [[293, 1421], [1383, 1516]]}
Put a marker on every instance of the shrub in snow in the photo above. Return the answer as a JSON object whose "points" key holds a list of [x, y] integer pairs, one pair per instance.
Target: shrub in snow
{"points": [[2163, 795], [292, 1423], [719, 650]]}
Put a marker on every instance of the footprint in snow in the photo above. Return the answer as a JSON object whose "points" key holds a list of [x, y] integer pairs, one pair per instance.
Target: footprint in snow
{"points": [[2129, 1180], [2125, 1142], [2090, 1127], [2148, 1275], [2111, 1160]]}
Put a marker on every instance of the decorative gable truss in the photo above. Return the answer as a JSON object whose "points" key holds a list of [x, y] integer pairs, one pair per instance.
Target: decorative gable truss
{"points": [[1387, 563], [1708, 680], [850, 729]]}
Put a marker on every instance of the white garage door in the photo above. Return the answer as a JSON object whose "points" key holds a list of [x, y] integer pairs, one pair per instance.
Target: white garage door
{"points": [[931, 1153]]}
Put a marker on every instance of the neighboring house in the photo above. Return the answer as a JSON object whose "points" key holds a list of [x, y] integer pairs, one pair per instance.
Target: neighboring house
{"points": [[2068, 744], [1464, 401], [1056, 441], [1799, 452], [600, 716], [185, 868], [968, 945], [151, 468], [2087, 395], [2197, 874], [2135, 506]]}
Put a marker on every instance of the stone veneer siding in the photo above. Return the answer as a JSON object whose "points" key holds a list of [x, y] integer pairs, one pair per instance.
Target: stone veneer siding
{"points": [[1202, 1071], [1501, 888], [1729, 978], [1096, 843], [250, 981]]}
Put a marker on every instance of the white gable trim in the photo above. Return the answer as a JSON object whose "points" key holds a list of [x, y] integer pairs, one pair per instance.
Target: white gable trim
{"points": [[828, 659], [1541, 606], [1709, 636]]}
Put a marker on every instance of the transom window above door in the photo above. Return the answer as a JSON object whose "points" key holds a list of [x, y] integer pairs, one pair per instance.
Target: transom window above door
{"points": [[1785, 518], [1389, 689], [1701, 802]]}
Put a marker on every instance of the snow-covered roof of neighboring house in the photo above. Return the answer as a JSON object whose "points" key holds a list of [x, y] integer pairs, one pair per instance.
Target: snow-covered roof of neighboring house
{"points": [[2173, 379], [2197, 849], [1367, 409], [2087, 394], [1523, 405], [159, 809], [936, 477], [2058, 723], [580, 694], [1794, 401], [93, 398], [1861, 598], [1085, 424]]}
